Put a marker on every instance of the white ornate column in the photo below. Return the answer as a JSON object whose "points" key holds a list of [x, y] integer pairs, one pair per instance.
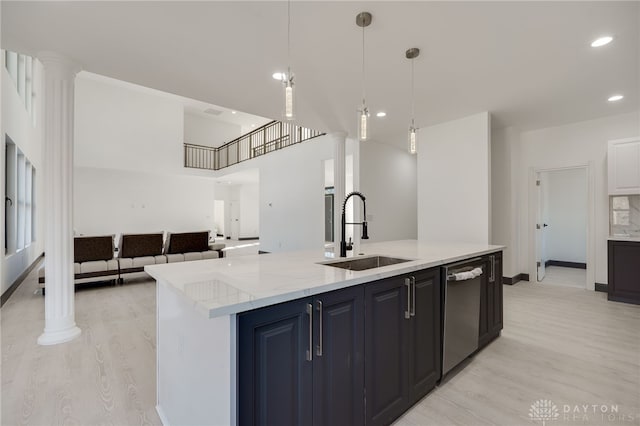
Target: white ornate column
{"points": [[60, 325], [340, 141]]}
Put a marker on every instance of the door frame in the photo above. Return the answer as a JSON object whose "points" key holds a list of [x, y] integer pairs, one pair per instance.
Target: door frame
{"points": [[591, 214]]}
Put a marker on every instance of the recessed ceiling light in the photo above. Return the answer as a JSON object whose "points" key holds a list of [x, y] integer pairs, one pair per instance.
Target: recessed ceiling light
{"points": [[599, 42], [615, 98], [234, 112], [381, 114], [253, 125], [278, 76]]}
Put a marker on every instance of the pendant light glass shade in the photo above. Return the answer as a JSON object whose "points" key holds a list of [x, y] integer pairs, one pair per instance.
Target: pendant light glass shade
{"points": [[363, 123], [413, 140], [288, 97], [411, 54]]}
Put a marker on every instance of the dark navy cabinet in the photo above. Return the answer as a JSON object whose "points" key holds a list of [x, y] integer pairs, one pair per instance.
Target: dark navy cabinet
{"points": [[301, 362], [624, 270], [356, 356], [402, 343], [274, 376], [491, 301]]}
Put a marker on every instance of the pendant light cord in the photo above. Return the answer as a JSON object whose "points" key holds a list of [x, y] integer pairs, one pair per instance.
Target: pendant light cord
{"points": [[363, 74], [289, 40], [413, 102]]}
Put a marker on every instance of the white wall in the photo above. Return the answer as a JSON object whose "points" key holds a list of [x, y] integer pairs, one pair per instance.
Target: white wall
{"points": [[120, 128], [567, 215], [570, 145], [291, 194], [505, 202], [388, 180], [113, 202], [454, 181], [18, 124], [129, 165], [208, 131]]}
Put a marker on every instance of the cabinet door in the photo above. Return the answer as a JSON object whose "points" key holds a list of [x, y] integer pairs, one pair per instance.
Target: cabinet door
{"points": [[424, 332], [338, 364], [386, 346], [490, 300], [485, 302], [496, 312], [624, 167], [624, 270], [274, 375]]}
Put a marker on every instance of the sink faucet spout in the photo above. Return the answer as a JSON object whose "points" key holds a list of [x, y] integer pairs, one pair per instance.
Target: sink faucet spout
{"points": [[365, 232]]}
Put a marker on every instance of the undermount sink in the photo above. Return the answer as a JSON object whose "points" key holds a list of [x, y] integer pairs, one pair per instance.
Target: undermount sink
{"points": [[364, 263]]}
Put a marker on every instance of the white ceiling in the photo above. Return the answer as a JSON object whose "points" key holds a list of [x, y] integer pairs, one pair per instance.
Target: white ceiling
{"points": [[528, 63], [191, 106]]}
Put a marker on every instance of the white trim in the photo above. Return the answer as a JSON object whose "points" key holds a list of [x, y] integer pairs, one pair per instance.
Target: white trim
{"points": [[163, 418], [591, 214]]}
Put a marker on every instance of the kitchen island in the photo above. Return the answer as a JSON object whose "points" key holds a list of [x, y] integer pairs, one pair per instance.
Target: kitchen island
{"points": [[204, 306]]}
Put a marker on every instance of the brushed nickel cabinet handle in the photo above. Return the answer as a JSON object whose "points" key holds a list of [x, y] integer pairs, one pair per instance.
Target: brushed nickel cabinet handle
{"points": [[310, 350], [407, 313], [319, 347]]}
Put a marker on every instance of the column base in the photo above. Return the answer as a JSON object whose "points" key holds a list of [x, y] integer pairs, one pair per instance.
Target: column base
{"points": [[62, 336]]}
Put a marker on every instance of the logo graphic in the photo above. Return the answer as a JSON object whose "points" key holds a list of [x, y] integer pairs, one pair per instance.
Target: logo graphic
{"points": [[543, 410]]}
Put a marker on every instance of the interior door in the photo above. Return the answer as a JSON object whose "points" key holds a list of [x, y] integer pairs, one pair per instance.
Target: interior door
{"points": [[540, 230], [234, 211]]}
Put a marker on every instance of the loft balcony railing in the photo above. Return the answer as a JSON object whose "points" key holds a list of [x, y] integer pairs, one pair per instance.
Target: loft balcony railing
{"points": [[268, 138]]}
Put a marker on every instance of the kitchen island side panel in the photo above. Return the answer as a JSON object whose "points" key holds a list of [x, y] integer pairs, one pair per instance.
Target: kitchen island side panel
{"points": [[195, 363]]}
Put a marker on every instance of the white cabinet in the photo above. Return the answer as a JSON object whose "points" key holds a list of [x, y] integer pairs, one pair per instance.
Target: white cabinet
{"points": [[624, 166]]}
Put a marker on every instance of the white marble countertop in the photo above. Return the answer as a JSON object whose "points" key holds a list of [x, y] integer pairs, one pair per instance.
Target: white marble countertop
{"points": [[624, 238], [231, 285]]}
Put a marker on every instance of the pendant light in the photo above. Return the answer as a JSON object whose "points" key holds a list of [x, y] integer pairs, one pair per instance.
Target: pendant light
{"points": [[413, 137], [363, 20], [287, 79]]}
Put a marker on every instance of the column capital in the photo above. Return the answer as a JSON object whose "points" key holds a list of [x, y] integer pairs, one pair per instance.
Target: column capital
{"points": [[58, 66]]}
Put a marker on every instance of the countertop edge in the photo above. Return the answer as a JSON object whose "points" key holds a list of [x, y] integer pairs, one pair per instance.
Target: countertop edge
{"points": [[378, 274]]}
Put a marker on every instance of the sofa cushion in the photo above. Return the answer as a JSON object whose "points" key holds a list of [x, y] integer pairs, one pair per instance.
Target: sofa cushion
{"points": [[142, 261], [211, 254], [139, 245], [192, 256], [173, 258], [187, 242], [86, 249], [93, 266]]}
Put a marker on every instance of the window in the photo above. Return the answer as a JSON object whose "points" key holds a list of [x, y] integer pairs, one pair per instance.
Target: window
{"points": [[20, 191], [21, 69]]}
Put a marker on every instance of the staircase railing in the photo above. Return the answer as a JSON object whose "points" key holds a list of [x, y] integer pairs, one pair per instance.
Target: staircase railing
{"points": [[268, 138]]}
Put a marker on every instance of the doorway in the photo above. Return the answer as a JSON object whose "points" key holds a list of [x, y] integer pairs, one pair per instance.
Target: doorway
{"points": [[219, 218], [561, 226]]}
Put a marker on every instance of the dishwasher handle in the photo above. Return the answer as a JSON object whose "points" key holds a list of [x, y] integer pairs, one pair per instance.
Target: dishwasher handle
{"points": [[465, 275]]}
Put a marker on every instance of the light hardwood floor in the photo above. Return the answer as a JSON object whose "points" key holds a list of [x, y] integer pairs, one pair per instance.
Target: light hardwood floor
{"points": [[562, 344]]}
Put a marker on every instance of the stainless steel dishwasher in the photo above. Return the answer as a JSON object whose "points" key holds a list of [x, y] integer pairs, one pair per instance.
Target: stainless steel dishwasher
{"points": [[461, 311]]}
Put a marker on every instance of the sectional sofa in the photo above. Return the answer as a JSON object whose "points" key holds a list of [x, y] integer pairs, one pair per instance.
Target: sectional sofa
{"points": [[94, 258]]}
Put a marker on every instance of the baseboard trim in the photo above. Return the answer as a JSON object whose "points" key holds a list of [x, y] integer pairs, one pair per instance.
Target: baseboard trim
{"points": [[515, 279], [7, 294], [576, 265], [248, 238], [602, 287]]}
